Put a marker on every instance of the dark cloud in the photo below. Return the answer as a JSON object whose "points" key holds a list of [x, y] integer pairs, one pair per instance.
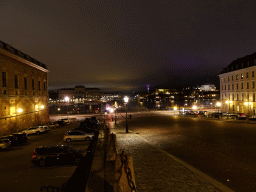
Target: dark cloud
{"points": [[128, 44]]}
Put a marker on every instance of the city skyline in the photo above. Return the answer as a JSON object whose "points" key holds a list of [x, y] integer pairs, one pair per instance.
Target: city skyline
{"points": [[127, 46]]}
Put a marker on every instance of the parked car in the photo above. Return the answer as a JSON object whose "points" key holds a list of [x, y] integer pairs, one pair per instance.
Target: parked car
{"points": [[53, 124], [241, 116], [215, 115], [12, 138], [60, 123], [45, 127], [22, 137], [4, 143], [84, 129], [253, 118], [34, 130], [231, 115], [67, 121], [59, 154], [76, 135]]}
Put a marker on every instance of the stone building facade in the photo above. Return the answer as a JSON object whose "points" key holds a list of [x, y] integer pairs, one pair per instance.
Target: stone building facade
{"points": [[23, 90], [237, 86]]}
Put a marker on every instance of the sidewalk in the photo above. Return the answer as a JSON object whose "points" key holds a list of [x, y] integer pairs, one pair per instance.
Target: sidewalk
{"points": [[156, 170]]}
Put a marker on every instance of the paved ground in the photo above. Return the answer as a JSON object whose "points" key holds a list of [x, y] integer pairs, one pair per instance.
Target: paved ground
{"points": [[157, 170]]}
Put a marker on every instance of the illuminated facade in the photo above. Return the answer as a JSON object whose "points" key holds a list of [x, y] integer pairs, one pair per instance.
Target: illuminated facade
{"points": [[237, 86], [79, 94], [23, 90]]}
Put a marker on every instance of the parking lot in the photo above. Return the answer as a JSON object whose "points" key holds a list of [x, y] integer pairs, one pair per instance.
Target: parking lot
{"points": [[19, 174]]}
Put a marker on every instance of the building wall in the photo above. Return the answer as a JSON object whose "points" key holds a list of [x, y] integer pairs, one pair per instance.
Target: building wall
{"points": [[18, 92], [237, 90]]}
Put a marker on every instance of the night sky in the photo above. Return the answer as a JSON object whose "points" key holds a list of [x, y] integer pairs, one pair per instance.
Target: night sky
{"points": [[128, 44]]}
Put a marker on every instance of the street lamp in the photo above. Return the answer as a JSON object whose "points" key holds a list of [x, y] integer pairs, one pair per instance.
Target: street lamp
{"points": [[126, 99], [218, 104]]}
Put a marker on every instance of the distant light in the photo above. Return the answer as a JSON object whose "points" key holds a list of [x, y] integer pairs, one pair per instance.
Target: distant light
{"points": [[175, 108], [58, 109], [42, 106], [218, 104], [194, 107]]}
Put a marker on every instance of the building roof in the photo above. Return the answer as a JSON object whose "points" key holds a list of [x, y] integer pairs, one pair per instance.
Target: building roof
{"points": [[10, 49], [240, 63]]}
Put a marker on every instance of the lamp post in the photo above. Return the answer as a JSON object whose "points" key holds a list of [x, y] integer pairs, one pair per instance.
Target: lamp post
{"points": [[67, 100], [115, 116], [126, 99]]}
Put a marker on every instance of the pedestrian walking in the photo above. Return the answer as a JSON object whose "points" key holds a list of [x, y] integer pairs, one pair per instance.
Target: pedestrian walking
{"points": [[130, 117]]}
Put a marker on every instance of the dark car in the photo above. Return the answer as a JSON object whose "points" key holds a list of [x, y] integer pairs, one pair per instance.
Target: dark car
{"points": [[22, 137], [215, 115], [85, 129], [55, 155], [60, 123], [89, 123], [12, 138]]}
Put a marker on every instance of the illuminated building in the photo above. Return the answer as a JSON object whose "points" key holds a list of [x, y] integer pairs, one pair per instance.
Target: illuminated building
{"points": [[237, 85], [23, 90]]}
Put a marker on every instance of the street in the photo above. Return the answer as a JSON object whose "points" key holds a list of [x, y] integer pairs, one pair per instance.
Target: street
{"points": [[224, 150]]}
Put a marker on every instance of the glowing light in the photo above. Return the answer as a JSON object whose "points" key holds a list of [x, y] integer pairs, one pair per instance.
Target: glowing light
{"points": [[42, 106], [218, 104], [126, 99], [194, 107], [175, 108], [19, 110], [66, 99], [58, 109]]}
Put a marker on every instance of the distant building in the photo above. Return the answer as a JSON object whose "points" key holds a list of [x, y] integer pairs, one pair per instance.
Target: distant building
{"points": [[79, 94], [207, 87], [23, 90], [237, 85]]}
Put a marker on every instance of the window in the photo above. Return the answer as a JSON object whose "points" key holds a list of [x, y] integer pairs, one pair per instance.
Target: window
{"points": [[236, 76], [25, 83], [237, 96], [221, 87], [253, 97], [228, 78], [248, 96], [233, 96], [225, 87], [4, 79], [242, 96], [247, 85], [33, 84], [253, 84], [232, 86], [39, 88], [232, 77], [242, 85], [247, 74], [242, 75], [228, 86], [237, 86], [221, 79], [224, 79], [252, 73], [16, 81], [44, 86]]}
